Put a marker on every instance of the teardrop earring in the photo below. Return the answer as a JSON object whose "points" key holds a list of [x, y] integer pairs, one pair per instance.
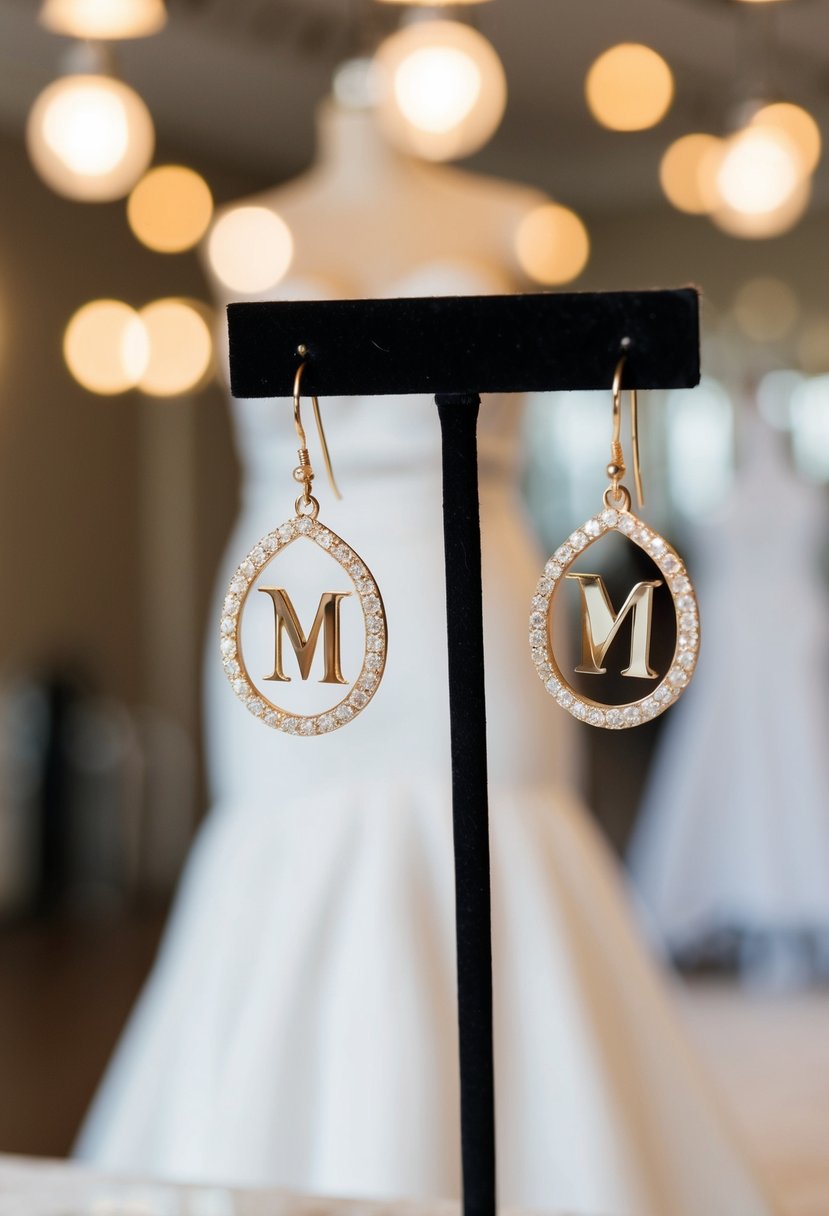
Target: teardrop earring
{"points": [[600, 621], [304, 526]]}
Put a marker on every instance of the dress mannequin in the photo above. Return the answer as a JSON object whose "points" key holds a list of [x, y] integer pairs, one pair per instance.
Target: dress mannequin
{"points": [[300, 1025]]}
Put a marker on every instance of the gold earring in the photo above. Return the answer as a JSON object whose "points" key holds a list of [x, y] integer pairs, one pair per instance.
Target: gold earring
{"points": [[304, 526], [600, 622]]}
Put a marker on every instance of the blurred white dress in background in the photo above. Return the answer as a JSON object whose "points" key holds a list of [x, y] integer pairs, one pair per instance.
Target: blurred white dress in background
{"points": [[300, 1025], [731, 850]]}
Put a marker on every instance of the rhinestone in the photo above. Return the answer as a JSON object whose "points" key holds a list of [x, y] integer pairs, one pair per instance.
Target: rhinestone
{"points": [[227, 624], [552, 569], [365, 586], [662, 693], [326, 722], [228, 646], [359, 698], [343, 712], [544, 669], [650, 708], [375, 643], [615, 717], [231, 603], [686, 660], [305, 527], [627, 524], [538, 637], [610, 517], [374, 624], [553, 685], [578, 540], [270, 543], [356, 570], [687, 603], [537, 619], [285, 532], [633, 715], [248, 569], [540, 655], [688, 620], [656, 546], [238, 584], [677, 678], [579, 710], [374, 662], [680, 583], [371, 603], [368, 680], [596, 717], [687, 641], [271, 718], [256, 705], [565, 698], [593, 528], [324, 538], [642, 536], [669, 563], [306, 726], [563, 555], [232, 667], [544, 586], [541, 602], [341, 553], [257, 555], [291, 725], [240, 687]]}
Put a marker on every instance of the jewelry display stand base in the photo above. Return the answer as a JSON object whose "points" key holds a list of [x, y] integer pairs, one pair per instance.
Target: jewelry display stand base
{"points": [[456, 348]]}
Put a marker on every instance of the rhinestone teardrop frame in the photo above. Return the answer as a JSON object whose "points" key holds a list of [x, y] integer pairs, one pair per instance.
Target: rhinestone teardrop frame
{"points": [[374, 616], [686, 651]]}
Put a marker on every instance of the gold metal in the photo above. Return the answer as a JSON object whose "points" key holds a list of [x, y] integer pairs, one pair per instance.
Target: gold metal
{"points": [[600, 625], [327, 620], [616, 469], [304, 472]]}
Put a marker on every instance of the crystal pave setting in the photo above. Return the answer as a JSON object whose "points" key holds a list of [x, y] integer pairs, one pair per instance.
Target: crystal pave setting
{"points": [[374, 660], [673, 684]]}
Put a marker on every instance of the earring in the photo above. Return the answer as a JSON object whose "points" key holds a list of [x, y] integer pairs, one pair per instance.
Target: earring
{"points": [[304, 527], [600, 621]]}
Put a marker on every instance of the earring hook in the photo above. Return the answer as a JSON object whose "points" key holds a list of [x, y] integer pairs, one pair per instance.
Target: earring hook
{"points": [[616, 469], [304, 472]]}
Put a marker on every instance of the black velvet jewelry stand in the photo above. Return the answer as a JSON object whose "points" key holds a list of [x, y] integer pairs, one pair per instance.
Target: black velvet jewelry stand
{"points": [[457, 348]]}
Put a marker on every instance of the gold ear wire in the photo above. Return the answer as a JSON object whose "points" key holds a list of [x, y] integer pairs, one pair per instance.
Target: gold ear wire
{"points": [[304, 472], [616, 469]]}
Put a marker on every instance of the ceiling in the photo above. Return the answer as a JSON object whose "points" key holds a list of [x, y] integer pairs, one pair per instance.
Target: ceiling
{"points": [[236, 81]]}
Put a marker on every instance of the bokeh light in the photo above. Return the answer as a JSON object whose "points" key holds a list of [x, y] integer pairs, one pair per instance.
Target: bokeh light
{"points": [[762, 225], [798, 125], [552, 245], [759, 170], [766, 309], [629, 87], [90, 137], [686, 173], [106, 347], [180, 347], [250, 249], [104, 19], [170, 209], [813, 346], [443, 89]]}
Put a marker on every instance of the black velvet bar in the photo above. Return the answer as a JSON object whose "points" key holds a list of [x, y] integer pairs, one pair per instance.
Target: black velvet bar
{"points": [[461, 344], [470, 812]]}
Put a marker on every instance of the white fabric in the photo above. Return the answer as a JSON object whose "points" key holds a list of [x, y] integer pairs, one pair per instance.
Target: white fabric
{"points": [[734, 832], [299, 1027]]}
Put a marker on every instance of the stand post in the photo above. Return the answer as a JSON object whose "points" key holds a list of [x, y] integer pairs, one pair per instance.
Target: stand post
{"points": [[464, 620]]}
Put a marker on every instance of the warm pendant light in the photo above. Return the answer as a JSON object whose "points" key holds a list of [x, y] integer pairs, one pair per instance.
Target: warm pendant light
{"points": [[104, 19], [89, 135], [443, 89]]}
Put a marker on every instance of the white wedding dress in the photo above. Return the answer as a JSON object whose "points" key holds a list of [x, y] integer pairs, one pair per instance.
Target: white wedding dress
{"points": [[731, 850], [299, 1027]]}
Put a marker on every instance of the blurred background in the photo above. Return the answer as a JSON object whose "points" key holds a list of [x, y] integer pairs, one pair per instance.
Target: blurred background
{"points": [[668, 142]]}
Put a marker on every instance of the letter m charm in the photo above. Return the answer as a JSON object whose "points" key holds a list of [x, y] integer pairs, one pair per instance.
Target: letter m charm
{"points": [[327, 620], [600, 624]]}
